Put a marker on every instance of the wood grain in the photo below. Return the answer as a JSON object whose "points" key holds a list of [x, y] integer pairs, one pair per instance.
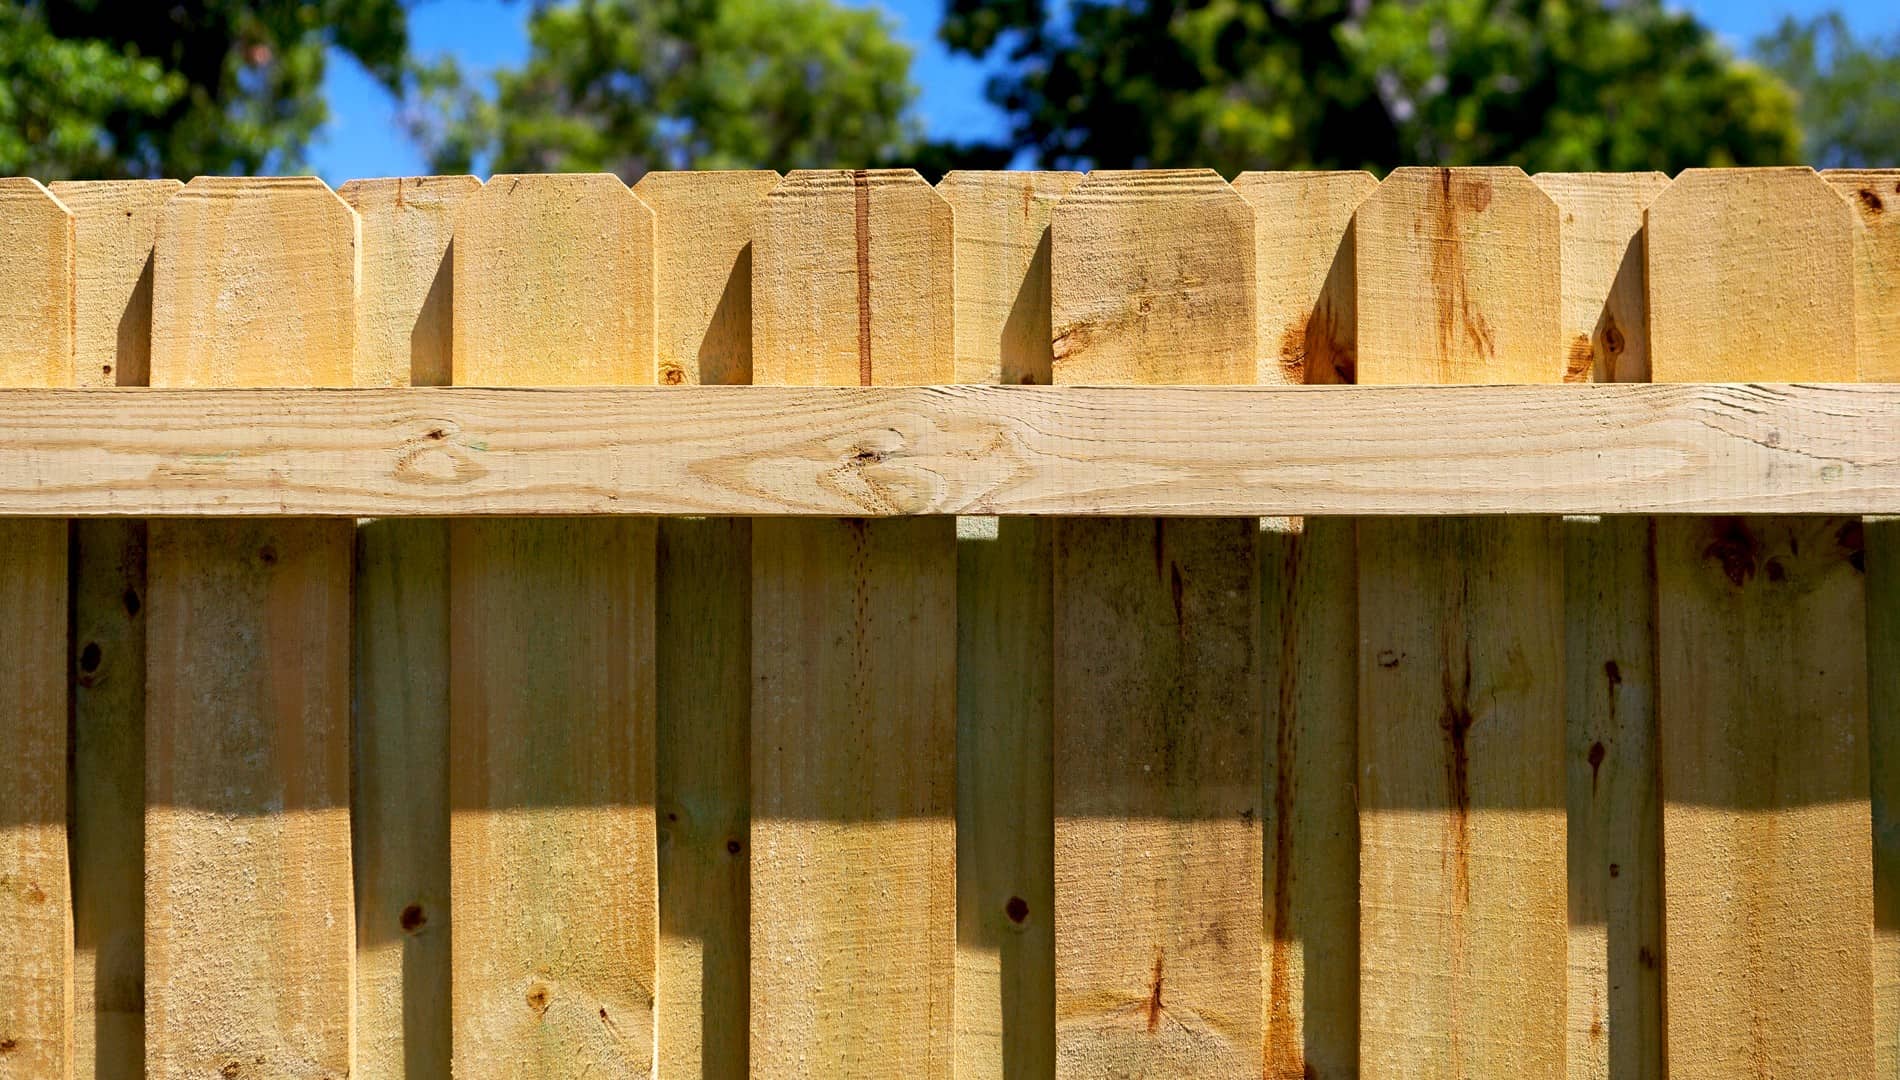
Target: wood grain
{"points": [[1615, 987], [853, 838], [1002, 279], [553, 867], [404, 324], [400, 807], [248, 957], [1875, 196], [1309, 626], [1606, 323], [1762, 666], [1303, 253], [1461, 667], [1157, 289], [1157, 750], [881, 452], [115, 226], [703, 244], [553, 283], [36, 902], [1005, 890]]}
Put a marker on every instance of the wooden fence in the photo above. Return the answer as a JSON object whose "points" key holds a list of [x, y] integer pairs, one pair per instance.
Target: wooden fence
{"points": [[613, 732]]}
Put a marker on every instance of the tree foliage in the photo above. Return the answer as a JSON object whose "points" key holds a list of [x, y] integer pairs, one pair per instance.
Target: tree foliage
{"points": [[1278, 84], [627, 86], [1846, 89], [94, 88]]}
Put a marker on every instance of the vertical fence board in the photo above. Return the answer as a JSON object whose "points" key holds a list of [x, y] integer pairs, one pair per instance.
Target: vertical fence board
{"points": [[1461, 766], [1005, 889], [853, 646], [1875, 196], [1309, 628], [1762, 710], [115, 223], [553, 869], [1615, 867], [400, 809], [1304, 259], [247, 837], [1157, 751], [703, 254], [36, 914]]}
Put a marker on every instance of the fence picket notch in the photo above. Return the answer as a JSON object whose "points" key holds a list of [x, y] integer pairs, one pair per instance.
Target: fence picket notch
{"points": [[115, 224], [703, 253], [1762, 661], [853, 741], [36, 904], [1309, 627], [1157, 750], [1005, 889], [1615, 868], [553, 867], [248, 952], [1875, 196], [1303, 254], [400, 755], [1461, 670]]}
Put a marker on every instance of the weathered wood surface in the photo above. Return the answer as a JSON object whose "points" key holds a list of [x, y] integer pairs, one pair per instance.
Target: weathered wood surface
{"points": [[552, 845], [1461, 667], [1762, 665], [36, 902], [115, 226], [400, 754], [1615, 986], [249, 955], [1005, 893], [1156, 696], [1239, 451], [853, 837], [703, 252]]}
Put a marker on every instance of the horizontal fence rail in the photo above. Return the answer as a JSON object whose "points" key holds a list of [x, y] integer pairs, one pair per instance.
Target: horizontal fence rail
{"points": [[904, 451], [1033, 625]]}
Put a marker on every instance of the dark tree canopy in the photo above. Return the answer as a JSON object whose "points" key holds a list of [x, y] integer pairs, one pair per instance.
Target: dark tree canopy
{"points": [[1253, 84], [96, 88]]}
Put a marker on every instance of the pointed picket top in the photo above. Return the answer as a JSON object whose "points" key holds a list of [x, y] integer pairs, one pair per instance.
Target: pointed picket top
{"points": [[1751, 276], [1606, 329], [554, 283], [859, 270], [1303, 266], [1152, 279], [36, 277], [1458, 279], [1002, 257], [403, 321], [1874, 195], [703, 225]]}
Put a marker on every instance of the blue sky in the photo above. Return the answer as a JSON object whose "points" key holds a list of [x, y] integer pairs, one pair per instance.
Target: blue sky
{"points": [[362, 138]]}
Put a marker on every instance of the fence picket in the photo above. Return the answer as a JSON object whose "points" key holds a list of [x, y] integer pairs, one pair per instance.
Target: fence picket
{"points": [[248, 952], [36, 913], [400, 809], [115, 225], [853, 739], [1156, 699], [1875, 196], [1309, 627], [703, 252], [553, 868], [1461, 767], [1615, 869], [1762, 662], [1005, 932]]}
